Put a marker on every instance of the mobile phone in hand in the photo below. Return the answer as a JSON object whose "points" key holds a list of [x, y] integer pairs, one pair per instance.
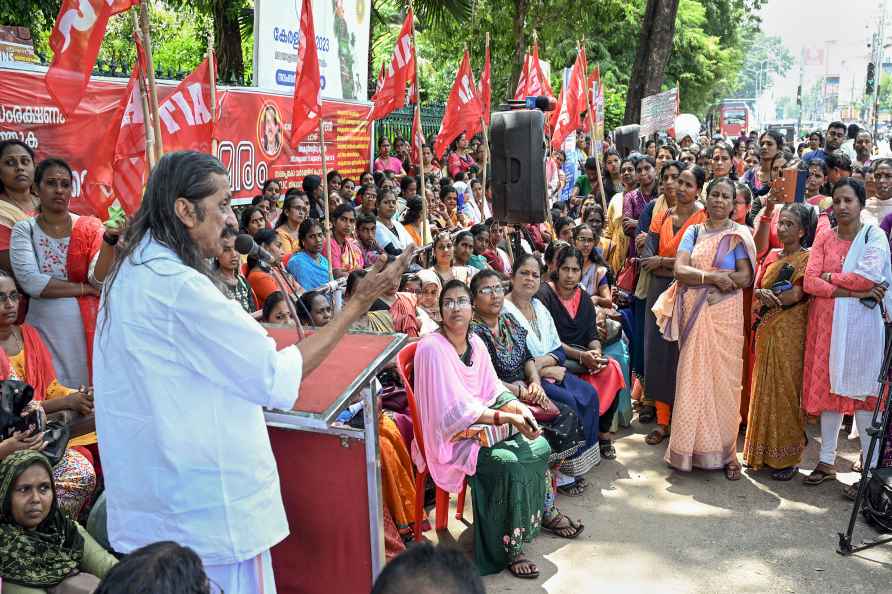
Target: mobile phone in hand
{"points": [[870, 302]]}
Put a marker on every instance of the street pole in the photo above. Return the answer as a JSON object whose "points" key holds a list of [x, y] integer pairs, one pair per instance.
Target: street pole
{"points": [[799, 91], [878, 68]]}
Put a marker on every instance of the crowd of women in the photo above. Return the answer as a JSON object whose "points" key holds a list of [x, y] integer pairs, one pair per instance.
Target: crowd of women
{"points": [[689, 289]]}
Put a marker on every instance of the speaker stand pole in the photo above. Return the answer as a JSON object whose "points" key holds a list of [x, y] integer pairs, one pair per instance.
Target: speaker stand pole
{"points": [[425, 224]]}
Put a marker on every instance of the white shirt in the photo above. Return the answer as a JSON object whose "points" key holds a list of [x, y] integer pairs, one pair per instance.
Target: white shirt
{"points": [[400, 240], [181, 374]]}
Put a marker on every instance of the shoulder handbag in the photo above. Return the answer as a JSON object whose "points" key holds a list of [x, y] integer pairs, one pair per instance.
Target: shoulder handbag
{"points": [[14, 396]]}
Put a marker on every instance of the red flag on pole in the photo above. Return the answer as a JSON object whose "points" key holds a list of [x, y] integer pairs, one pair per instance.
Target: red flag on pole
{"points": [[391, 92], [307, 106], [130, 149], [538, 82], [417, 136], [463, 108], [75, 41], [521, 92], [573, 103], [486, 87]]}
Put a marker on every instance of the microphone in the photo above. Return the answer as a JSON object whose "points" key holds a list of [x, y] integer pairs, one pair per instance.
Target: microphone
{"points": [[245, 245], [541, 102]]}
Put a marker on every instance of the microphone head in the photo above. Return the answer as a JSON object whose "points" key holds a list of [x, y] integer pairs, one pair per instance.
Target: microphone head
{"points": [[541, 102], [244, 243]]}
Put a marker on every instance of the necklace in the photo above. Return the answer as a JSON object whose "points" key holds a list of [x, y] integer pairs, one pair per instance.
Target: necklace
{"points": [[18, 344], [61, 229]]}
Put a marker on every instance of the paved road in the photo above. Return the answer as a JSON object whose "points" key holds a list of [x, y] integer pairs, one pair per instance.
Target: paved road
{"points": [[650, 529]]}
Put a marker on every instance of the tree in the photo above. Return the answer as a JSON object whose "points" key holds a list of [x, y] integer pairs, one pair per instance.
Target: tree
{"points": [[766, 56], [229, 17], [654, 47]]}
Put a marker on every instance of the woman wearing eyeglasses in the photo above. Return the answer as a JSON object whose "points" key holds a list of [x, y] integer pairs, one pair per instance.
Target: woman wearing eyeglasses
{"points": [[456, 387]]}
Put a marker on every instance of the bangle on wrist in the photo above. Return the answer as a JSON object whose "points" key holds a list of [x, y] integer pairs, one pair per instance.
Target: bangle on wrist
{"points": [[110, 239]]}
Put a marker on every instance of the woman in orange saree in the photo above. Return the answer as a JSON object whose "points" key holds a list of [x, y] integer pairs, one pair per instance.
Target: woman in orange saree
{"points": [[703, 310]]}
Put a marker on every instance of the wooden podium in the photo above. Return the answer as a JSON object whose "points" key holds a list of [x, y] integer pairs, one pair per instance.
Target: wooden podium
{"points": [[330, 473]]}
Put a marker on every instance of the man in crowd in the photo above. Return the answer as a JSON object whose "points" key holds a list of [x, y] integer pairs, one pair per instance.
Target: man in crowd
{"points": [[863, 148], [182, 375], [836, 134]]}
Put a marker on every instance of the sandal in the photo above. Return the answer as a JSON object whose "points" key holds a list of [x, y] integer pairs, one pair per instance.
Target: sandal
{"points": [[851, 492], [532, 574], [569, 531], [608, 452], [785, 474], [573, 489], [733, 471], [856, 465], [657, 436], [821, 473]]}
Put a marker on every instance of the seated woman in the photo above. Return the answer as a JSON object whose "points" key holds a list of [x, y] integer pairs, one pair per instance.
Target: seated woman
{"points": [[456, 387], [275, 310], [388, 230], [227, 266], [480, 233], [346, 253], [309, 266], [446, 255], [449, 197], [25, 357], [574, 317], [315, 309], [41, 548], [429, 298], [262, 277], [560, 385]]}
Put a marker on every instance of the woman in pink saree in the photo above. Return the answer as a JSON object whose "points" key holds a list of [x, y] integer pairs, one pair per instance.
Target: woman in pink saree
{"points": [[703, 310]]}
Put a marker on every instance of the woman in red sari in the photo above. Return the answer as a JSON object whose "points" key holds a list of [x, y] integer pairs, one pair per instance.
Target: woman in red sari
{"points": [[61, 259]]}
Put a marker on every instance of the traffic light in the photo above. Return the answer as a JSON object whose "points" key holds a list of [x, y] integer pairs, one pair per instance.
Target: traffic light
{"points": [[871, 78]]}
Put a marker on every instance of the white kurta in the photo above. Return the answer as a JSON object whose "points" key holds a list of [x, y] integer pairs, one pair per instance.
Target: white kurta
{"points": [[181, 375]]}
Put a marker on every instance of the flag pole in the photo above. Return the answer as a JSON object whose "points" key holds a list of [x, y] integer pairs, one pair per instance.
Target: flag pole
{"points": [[327, 226], [591, 124], [148, 130], [485, 146], [212, 68], [425, 226], [150, 66]]}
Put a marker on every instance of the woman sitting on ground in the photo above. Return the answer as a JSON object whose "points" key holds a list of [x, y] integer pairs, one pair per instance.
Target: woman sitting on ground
{"points": [[429, 297], [346, 253], [41, 548], [575, 318], [294, 212], [445, 265], [227, 266], [262, 277], [309, 266], [24, 356], [456, 387], [315, 309], [560, 385], [478, 259], [275, 310]]}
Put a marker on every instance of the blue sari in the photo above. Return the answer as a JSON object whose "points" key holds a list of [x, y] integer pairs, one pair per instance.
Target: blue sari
{"points": [[310, 273]]}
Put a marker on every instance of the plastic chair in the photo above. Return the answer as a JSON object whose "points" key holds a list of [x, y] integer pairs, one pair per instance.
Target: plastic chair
{"points": [[406, 366]]}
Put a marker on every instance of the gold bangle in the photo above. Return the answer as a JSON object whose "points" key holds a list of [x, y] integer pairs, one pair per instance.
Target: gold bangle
{"points": [[702, 278]]}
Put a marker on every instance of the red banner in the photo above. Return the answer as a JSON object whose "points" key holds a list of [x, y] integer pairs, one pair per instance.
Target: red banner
{"points": [[251, 131]]}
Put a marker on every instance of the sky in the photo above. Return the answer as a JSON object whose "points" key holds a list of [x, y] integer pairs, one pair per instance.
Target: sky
{"points": [[842, 28]]}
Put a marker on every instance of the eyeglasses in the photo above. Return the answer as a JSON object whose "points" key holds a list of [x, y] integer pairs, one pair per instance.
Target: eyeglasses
{"points": [[12, 296], [498, 290], [460, 303]]}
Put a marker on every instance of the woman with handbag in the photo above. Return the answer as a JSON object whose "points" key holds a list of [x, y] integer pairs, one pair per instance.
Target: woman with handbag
{"points": [[703, 311], [575, 318], [681, 187], [845, 337], [560, 385], [61, 259], [42, 549], [456, 388], [24, 357]]}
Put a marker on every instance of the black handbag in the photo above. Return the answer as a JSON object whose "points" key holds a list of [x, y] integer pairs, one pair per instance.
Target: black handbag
{"points": [[877, 507], [14, 397]]}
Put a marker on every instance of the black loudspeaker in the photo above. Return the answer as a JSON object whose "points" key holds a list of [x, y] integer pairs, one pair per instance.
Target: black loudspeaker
{"points": [[517, 140], [626, 139]]}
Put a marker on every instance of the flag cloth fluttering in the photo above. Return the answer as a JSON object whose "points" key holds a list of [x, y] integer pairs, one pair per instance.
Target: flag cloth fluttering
{"points": [[390, 94], [306, 108], [75, 41], [572, 103], [533, 81], [463, 109]]}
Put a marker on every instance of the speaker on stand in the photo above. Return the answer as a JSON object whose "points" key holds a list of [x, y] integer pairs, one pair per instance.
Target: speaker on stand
{"points": [[517, 146]]}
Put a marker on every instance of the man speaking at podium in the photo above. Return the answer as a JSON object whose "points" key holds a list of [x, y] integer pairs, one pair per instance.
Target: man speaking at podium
{"points": [[181, 377]]}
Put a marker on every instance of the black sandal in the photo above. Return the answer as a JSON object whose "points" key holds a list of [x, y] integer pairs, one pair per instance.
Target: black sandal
{"points": [[561, 531], [647, 414], [608, 452], [512, 567], [785, 474], [574, 489]]}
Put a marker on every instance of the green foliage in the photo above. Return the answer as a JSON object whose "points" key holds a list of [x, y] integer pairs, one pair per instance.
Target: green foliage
{"points": [[885, 92], [766, 56], [37, 15]]}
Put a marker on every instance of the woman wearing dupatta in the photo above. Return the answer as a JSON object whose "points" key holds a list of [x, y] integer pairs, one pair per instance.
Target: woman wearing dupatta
{"points": [[60, 259], [456, 386], [775, 433], [845, 339], [681, 187], [703, 310], [345, 253], [17, 203], [40, 552], [575, 318]]}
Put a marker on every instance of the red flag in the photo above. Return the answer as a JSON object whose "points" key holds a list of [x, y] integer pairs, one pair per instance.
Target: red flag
{"points": [[573, 103], [463, 108], [521, 92], [391, 92], [417, 136], [75, 41], [486, 87], [307, 107], [538, 82], [130, 149]]}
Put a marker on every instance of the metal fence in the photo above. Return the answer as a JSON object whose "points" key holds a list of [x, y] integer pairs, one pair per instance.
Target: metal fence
{"points": [[399, 123]]}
